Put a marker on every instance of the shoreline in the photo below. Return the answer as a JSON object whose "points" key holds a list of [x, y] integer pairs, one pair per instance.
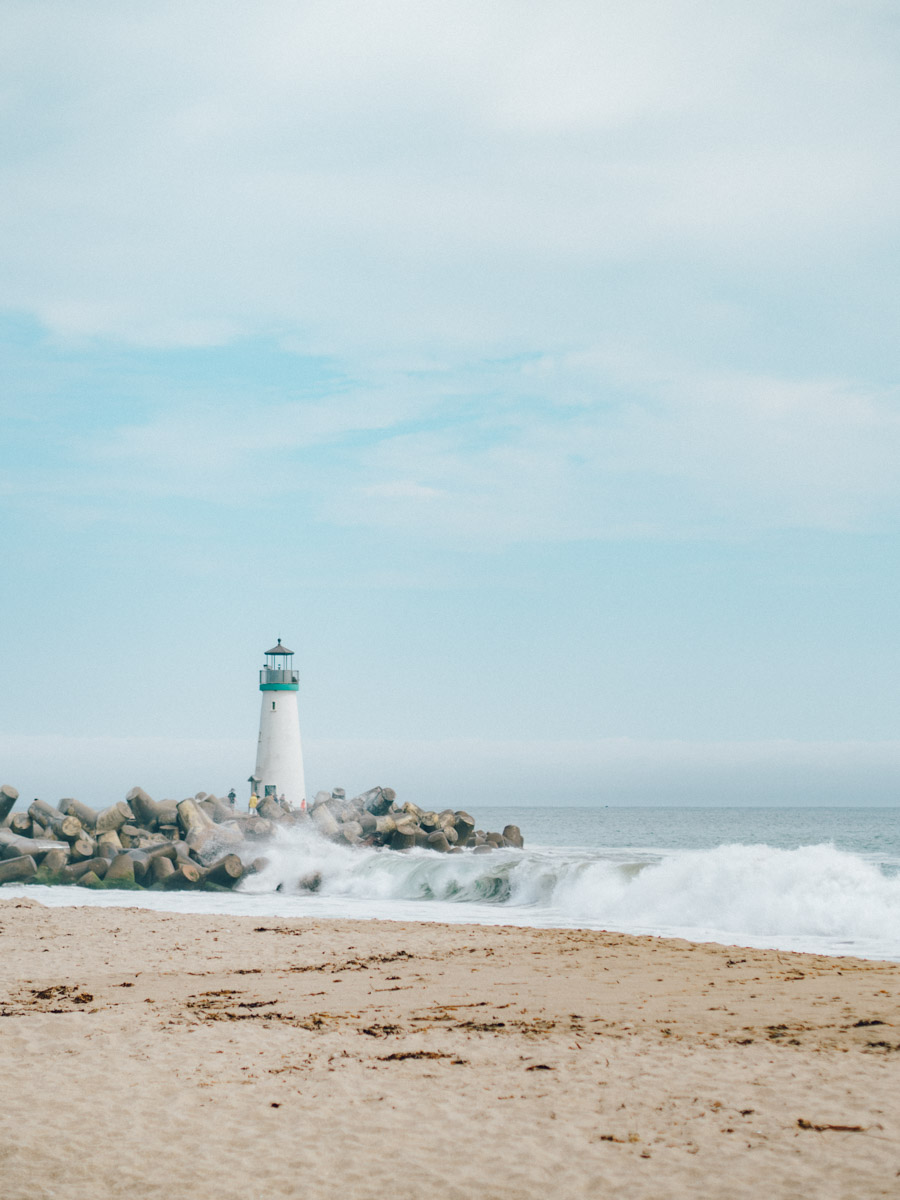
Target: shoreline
{"points": [[279, 1056], [322, 909]]}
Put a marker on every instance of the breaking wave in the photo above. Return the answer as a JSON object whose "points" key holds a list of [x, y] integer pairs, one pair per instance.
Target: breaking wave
{"points": [[814, 897]]}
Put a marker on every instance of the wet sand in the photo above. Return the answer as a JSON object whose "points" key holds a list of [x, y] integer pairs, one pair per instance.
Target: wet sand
{"points": [[148, 1055]]}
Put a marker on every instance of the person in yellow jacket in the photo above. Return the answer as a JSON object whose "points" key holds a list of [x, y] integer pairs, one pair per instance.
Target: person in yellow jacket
{"points": [[254, 800]]}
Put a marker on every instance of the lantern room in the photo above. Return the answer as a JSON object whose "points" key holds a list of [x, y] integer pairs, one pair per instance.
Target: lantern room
{"points": [[278, 674]]}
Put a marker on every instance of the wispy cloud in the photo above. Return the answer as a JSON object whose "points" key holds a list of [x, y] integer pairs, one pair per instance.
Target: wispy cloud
{"points": [[560, 447], [693, 456], [401, 175], [458, 204]]}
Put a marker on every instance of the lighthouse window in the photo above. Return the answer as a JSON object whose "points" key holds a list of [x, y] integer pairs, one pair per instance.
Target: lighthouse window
{"points": [[273, 706]]}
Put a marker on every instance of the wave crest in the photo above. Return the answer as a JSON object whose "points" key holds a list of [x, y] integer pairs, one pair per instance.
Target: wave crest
{"points": [[740, 891]]}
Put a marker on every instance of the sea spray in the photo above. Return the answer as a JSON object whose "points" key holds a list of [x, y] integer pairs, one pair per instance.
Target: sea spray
{"points": [[759, 891], [809, 897], [296, 856]]}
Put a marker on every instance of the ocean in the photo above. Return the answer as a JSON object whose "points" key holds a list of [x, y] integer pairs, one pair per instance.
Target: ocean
{"points": [[825, 880]]}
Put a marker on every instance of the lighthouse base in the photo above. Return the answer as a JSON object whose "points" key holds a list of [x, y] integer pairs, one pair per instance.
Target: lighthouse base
{"points": [[279, 754]]}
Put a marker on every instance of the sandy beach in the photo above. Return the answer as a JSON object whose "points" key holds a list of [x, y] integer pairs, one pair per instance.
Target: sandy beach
{"points": [[161, 1055]]}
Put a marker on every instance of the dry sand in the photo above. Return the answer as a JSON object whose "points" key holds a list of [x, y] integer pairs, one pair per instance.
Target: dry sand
{"points": [[148, 1055]]}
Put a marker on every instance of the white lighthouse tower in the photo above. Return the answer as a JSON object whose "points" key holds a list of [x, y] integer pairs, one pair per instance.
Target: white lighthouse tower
{"points": [[279, 755]]}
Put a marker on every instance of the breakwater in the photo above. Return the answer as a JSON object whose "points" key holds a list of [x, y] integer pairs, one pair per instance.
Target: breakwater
{"points": [[202, 841]]}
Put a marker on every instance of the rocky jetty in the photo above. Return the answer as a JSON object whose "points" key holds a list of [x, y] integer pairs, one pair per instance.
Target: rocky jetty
{"points": [[375, 819], [204, 842]]}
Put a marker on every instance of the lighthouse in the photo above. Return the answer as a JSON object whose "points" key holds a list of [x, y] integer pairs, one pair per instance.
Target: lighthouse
{"points": [[279, 755]]}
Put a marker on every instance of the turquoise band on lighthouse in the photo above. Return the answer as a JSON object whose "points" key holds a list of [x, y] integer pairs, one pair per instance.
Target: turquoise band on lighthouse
{"points": [[279, 754]]}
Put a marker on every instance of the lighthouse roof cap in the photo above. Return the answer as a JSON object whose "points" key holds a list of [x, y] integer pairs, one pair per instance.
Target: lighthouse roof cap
{"points": [[279, 649]]}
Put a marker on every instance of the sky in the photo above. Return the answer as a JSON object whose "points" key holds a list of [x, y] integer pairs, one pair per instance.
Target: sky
{"points": [[530, 369]]}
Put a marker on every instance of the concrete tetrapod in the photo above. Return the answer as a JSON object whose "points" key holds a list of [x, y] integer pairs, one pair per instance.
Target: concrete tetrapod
{"points": [[185, 875], [226, 872], [8, 797], [161, 868], [16, 870], [74, 808], [120, 870]]}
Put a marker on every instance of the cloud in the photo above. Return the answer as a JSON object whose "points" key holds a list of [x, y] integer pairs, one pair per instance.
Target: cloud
{"points": [[404, 175], [692, 456], [549, 255], [401, 489], [556, 447]]}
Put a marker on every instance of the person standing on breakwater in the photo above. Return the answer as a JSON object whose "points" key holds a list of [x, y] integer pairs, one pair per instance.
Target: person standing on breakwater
{"points": [[254, 800]]}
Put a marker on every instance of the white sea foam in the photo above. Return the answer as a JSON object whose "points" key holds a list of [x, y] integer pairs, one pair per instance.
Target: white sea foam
{"points": [[759, 890], [817, 895], [814, 898]]}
